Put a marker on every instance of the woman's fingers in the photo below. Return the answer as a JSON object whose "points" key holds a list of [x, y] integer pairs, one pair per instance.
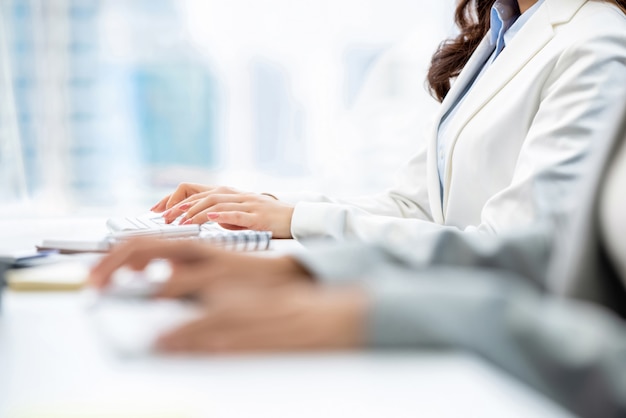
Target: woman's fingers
{"points": [[185, 190], [182, 192], [232, 209], [182, 201], [244, 211], [237, 220], [161, 205], [197, 212], [232, 227], [175, 211]]}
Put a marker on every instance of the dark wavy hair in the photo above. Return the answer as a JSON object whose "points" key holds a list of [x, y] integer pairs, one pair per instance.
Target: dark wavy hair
{"points": [[473, 19]]}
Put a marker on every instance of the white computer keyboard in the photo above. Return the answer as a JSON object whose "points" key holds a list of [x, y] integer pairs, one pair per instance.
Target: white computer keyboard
{"points": [[153, 224]]}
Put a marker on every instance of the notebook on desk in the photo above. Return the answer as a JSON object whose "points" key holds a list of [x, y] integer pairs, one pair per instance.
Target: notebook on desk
{"points": [[153, 225]]}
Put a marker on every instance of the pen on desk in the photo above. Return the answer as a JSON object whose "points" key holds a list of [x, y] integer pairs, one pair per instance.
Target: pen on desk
{"points": [[29, 259], [25, 256]]}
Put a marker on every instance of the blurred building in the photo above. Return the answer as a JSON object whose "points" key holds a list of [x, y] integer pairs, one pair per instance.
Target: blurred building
{"points": [[93, 121], [12, 173]]}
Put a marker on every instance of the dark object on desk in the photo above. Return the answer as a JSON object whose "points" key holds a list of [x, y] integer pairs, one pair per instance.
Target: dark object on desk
{"points": [[32, 258], [3, 268]]}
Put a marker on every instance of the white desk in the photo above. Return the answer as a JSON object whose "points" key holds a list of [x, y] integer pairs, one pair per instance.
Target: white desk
{"points": [[53, 363]]}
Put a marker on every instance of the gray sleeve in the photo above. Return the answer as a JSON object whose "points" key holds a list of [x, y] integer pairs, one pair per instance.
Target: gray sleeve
{"points": [[525, 252], [574, 353]]}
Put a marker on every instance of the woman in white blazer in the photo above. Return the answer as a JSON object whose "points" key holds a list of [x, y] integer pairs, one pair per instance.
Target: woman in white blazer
{"points": [[524, 88]]}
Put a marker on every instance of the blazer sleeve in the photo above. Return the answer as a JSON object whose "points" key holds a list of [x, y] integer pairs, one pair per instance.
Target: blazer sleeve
{"points": [[407, 199], [573, 352]]}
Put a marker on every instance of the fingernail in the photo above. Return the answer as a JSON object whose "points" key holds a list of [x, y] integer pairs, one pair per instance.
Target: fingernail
{"points": [[154, 207], [187, 222], [167, 213], [185, 207], [213, 215]]}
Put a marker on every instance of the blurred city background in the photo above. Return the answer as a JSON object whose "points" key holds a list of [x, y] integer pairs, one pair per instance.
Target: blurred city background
{"points": [[109, 104]]}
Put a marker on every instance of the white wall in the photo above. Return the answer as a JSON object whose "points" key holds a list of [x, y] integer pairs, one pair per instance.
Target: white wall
{"points": [[350, 150]]}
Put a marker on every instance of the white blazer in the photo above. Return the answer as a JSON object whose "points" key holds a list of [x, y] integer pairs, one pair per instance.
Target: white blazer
{"points": [[522, 136]]}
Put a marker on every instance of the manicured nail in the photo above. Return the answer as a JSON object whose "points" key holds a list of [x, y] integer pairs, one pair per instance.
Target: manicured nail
{"points": [[213, 215], [184, 207], [154, 207], [187, 222]]}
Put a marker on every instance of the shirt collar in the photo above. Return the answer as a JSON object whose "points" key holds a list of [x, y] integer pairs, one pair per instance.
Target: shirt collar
{"points": [[503, 14]]}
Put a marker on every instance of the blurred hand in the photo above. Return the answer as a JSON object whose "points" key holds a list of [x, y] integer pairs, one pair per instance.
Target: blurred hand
{"points": [[231, 208], [198, 267], [286, 318]]}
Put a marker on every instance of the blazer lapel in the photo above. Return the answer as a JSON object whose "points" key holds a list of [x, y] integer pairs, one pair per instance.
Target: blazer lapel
{"points": [[475, 63], [473, 66]]}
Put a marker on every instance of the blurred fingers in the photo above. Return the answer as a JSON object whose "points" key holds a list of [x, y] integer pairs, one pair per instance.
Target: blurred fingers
{"points": [[294, 318], [186, 279], [223, 327], [139, 252]]}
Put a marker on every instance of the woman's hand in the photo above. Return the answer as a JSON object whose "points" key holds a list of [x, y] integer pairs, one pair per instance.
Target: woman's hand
{"points": [[185, 192], [198, 267], [231, 208], [294, 317]]}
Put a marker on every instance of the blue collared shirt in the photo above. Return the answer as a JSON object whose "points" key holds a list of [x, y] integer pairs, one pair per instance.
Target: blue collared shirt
{"points": [[506, 22]]}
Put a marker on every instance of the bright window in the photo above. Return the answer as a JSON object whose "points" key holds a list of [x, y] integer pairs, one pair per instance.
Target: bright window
{"points": [[111, 103]]}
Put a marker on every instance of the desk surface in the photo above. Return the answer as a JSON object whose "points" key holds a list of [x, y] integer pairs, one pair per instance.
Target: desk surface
{"points": [[53, 363]]}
